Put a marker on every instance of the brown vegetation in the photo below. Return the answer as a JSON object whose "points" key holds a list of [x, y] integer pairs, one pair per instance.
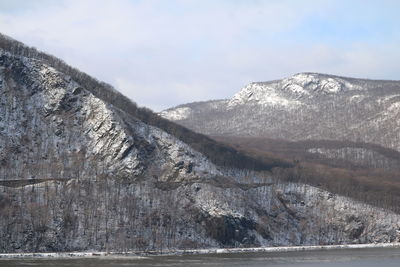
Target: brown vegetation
{"points": [[379, 187]]}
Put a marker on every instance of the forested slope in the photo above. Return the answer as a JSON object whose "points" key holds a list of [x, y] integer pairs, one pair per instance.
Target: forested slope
{"points": [[80, 169]]}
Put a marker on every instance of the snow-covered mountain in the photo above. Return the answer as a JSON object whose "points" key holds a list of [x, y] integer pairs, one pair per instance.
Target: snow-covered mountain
{"points": [[78, 171], [294, 89], [306, 106]]}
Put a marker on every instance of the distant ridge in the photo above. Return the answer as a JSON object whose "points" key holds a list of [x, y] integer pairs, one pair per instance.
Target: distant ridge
{"points": [[302, 107]]}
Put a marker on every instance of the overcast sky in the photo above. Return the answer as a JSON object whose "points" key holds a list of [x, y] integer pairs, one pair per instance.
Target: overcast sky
{"points": [[165, 53]]}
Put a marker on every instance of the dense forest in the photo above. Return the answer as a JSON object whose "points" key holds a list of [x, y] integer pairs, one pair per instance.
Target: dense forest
{"points": [[362, 180], [334, 153]]}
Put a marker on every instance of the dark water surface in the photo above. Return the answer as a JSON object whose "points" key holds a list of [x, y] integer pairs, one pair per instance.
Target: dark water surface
{"points": [[378, 257]]}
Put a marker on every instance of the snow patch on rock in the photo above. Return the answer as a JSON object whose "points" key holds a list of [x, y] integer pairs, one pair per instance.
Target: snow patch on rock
{"points": [[306, 83], [177, 114], [356, 98], [261, 94], [395, 107], [291, 91]]}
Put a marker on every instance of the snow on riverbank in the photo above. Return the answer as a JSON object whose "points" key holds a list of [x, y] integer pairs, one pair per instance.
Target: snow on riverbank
{"points": [[193, 251]]}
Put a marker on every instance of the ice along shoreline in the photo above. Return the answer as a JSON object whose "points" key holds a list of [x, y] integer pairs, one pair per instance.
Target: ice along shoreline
{"points": [[137, 254]]}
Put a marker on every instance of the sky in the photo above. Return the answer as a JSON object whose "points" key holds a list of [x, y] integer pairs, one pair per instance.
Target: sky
{"points": [[162, 53]]}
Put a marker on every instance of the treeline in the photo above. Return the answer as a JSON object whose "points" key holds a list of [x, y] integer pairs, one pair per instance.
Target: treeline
{"points": [[372, 186], [381, 157], [219, 154], [375, 186]]}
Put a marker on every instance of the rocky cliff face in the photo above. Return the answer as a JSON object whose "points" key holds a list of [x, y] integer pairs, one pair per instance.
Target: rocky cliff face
{"points": [[77, 173], [48, 118], [306, 106]]}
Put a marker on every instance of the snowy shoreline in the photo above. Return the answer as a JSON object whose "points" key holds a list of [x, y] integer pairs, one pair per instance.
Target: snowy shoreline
{"points": [[136, 254]]}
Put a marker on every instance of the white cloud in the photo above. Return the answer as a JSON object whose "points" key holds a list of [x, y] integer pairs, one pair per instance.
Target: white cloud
{"points": [[164, 53]]}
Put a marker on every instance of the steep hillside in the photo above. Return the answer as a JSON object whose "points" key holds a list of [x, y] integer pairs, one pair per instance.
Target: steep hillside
{"points": [[218, 153], [82, 168], [306, 106]]}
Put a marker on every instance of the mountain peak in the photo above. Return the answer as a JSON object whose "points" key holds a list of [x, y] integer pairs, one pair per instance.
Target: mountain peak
{"points": [[263, 94], [308, 83], [291, 90]]}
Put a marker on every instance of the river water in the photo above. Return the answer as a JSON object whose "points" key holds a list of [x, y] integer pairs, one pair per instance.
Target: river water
{"points": [[377, 257]]}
